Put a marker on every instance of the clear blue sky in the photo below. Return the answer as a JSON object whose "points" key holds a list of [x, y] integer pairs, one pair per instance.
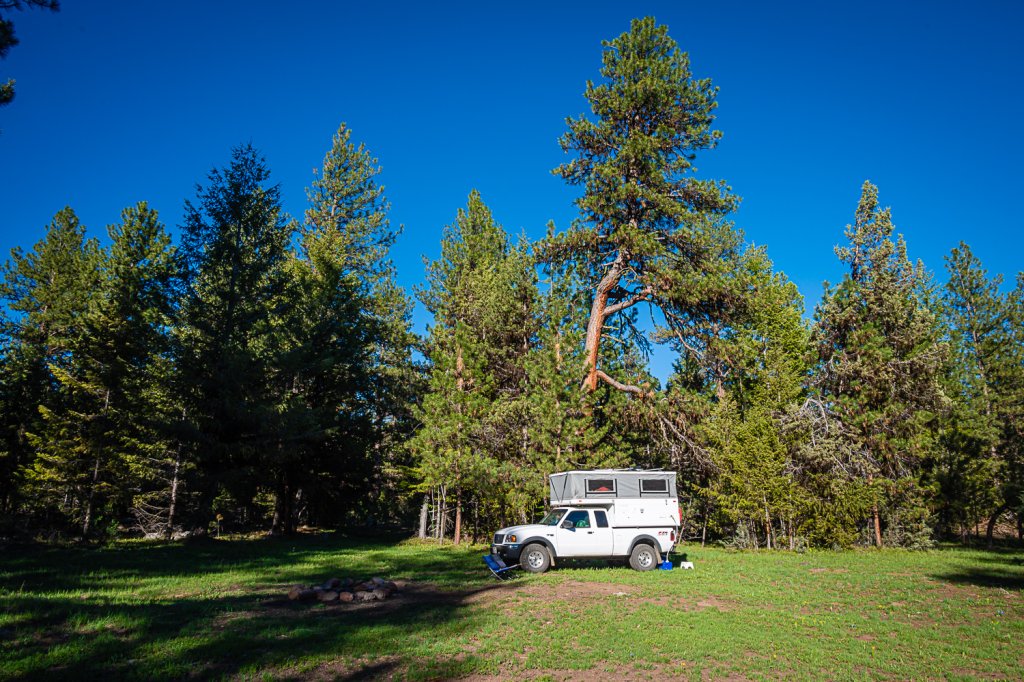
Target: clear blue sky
{"points": [[125, 101]]}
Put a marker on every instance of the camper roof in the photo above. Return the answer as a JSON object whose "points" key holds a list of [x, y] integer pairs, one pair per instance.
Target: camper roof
{"points": [[568, 487]]}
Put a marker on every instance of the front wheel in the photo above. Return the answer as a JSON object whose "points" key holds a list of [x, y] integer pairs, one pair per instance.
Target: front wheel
{"points": [[535, 559], [643, 558]]}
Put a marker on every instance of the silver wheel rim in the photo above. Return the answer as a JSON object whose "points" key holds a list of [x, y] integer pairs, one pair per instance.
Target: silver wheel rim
{"points": [[645, 558], [535, 559]]}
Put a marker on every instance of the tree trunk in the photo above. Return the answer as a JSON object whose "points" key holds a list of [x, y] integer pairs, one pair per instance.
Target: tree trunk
{"points": [[595, 326], [458, 519], [283, 523], [442, 517], [87, 522], [172, 509], [878, 525], [476, 520], [991, 529], [424, 510], [704, 525], [875, 517]]}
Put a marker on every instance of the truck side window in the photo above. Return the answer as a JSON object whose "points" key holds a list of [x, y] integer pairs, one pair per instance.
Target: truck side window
{"points": [[580, 519], [601, 518]]}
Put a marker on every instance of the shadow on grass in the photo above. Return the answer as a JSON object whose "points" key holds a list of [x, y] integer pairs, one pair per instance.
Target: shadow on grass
{"points": [[1006, 579], [280, 559], [77, 613]]}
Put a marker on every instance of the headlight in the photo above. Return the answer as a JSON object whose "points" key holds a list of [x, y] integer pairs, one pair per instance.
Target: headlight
{"points": [[510, 538]]}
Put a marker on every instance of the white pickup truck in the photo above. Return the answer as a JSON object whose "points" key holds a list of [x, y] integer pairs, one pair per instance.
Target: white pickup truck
{"points": [[614, 514]]}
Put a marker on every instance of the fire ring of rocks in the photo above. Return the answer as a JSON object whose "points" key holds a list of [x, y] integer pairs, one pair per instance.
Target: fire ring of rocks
{"points": [[337, 590]]}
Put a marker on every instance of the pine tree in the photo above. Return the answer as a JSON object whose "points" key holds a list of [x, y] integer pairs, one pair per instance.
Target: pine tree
{"points": [[984, 377], [347, 221], [481, 293], [1011, 376], [322, 379], [102, 438], [879, 358], [234, 242], [642, 211], [741, 364], [47, 292]]}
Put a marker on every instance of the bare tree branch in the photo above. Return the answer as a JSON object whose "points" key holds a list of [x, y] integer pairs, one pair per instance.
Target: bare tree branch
{"points": [[644, 295], [623, 387]]}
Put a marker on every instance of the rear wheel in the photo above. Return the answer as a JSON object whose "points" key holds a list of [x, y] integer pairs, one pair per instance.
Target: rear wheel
{"points": [[535, 559], [643, 558]]}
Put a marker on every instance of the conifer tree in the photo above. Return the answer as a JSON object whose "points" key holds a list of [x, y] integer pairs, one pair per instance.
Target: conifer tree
{"points": [[879, 358], [234, 243], [740, 370], [344, 390], [481, 293], [642, 210], [47, 293], [348, 222], [102, 439], [984, 376]]}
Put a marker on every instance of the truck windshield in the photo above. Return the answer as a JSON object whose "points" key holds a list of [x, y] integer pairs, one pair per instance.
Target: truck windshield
{"points": [[552, 517]]}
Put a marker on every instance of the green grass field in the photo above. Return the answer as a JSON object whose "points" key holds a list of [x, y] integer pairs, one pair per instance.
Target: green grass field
{"points": [[218, 609]]}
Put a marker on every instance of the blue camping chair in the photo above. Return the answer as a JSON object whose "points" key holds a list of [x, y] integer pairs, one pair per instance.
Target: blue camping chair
{"points": [[498, 567]]}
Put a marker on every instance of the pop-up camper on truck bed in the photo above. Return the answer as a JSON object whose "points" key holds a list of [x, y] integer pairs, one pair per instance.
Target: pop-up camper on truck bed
{"points": [[614, 514]]}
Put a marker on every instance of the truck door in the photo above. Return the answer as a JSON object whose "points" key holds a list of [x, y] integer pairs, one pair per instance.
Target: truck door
{"points": [[571, 535], [586, 537]]}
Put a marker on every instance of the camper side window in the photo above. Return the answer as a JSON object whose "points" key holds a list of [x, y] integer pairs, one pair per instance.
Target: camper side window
{"points": [[600, 486], [653, 485]]}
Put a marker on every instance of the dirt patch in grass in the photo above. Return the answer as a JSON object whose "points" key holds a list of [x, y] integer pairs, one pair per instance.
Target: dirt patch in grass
{"points": [[684, 604], [574, 595], [575, 589], [973, 674]]}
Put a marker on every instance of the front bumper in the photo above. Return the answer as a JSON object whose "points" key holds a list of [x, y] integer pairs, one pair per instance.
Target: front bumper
{"points": [[508, 553]]}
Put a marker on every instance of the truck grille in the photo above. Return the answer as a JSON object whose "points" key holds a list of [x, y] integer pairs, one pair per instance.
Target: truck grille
{"points": [[498, 538]]}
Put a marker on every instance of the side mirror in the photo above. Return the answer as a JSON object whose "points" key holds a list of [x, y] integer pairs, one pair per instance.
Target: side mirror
{"points": [[568, 525]]}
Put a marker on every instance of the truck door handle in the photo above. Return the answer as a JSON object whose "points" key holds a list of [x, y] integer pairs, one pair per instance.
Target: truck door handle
{"points": [[590, 532]]}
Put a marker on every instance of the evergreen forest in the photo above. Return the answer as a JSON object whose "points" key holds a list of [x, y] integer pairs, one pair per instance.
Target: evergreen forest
{"points": [[260, 373]]}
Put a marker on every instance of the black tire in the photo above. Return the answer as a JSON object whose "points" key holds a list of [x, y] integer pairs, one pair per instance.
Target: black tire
{"points": [[535, 559], [644, 558]]}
